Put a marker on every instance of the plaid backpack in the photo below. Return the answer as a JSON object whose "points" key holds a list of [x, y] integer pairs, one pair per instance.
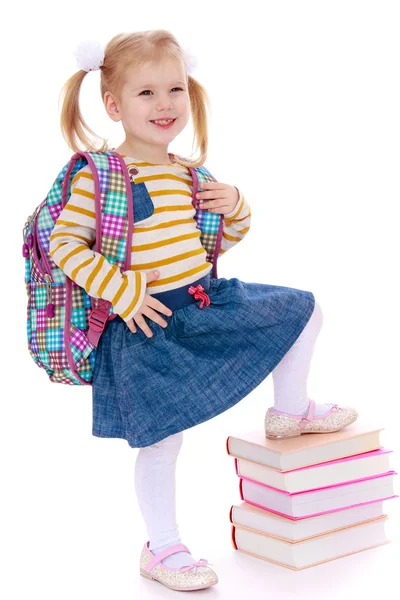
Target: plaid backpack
{"points": [[64, 323]]}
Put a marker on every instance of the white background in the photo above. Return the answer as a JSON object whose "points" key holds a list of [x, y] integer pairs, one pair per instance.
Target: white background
{"points": [[305, 120]]}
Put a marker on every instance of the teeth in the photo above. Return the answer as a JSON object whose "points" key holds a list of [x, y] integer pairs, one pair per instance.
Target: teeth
{"points": [[164, 122]]}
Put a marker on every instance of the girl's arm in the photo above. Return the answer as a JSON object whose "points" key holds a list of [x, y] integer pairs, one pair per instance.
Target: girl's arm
{"points": [[235, 224], [70, 242]]}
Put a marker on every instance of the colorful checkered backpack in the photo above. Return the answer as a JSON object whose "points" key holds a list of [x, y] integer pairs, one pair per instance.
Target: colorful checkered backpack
{"points": [[64, 323]]}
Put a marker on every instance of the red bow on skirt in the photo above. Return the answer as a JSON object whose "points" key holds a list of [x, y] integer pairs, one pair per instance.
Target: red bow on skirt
{"points": [[199, 294]]}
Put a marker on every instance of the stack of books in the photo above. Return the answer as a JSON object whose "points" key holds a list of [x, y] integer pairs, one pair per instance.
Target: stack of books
{"points": [[312, 498]]}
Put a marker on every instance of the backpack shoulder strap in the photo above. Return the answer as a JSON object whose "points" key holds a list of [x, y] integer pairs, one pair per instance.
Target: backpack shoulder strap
{"points": [[114, 219], [113, 203], [210, 224]]}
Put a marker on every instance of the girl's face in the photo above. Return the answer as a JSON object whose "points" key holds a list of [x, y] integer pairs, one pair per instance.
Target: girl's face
{"points": [[155, 91]]}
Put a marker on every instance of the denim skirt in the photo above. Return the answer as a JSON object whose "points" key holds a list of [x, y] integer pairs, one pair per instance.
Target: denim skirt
{"points": [[206, 360]]}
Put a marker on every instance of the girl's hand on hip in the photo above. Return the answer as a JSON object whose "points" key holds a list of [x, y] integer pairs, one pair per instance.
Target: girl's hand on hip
{"points": [[148, 308], [221, 197]]}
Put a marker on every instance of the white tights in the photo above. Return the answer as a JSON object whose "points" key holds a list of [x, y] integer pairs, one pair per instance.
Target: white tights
{"points": [[156, 464], [290, 375]]}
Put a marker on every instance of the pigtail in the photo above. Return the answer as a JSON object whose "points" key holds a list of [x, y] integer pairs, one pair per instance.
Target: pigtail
{"points": [[199, 102], [73, 126]]}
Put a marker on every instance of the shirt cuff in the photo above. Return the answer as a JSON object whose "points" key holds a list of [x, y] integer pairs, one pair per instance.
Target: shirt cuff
{"points": [[230, 214], [133, 296]]}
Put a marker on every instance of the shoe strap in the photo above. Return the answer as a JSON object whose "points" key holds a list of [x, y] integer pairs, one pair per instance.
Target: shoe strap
{"points": [[310, 415], [164, 553]]}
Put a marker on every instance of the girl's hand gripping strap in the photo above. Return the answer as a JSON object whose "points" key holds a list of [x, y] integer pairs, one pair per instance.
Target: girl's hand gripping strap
{"points": [[211, 225]]}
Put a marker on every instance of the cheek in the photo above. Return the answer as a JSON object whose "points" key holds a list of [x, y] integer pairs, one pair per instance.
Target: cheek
{"points": [[137, 116], [184, 106]]}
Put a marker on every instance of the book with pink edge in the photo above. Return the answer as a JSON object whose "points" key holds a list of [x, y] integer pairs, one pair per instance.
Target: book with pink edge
{"points": [[318, 501], [319, 475]]}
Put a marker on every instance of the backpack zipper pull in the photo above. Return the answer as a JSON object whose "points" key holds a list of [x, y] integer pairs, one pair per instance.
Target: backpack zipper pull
{"points": [[49, 298], [28, 238]]}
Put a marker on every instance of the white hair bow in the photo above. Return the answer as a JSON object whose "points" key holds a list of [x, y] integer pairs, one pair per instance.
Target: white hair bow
{"points": [[191, 61], [89, 56]]}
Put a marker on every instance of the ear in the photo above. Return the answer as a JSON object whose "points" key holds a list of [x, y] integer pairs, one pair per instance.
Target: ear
{"points": [[111, 106]]}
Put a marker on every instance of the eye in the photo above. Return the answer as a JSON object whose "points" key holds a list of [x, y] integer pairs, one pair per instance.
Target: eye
{"points": [[176, 88]]}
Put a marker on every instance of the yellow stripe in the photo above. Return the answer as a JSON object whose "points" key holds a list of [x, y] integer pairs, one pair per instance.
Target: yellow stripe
{"points": [[93, 274], [121, 290], [162, 176], [79, 267], [163, 225], [180, 276], [82, 174], [167, 242], [55, 249], [243, 218], [75, 235], [170, 193], [244, 230], [168, 261], [67, 223], [107, 280], [75, 251], [231, 238], [135, 298], [160, 209], [80, 210], [84, 193], [232, 218], [239, 209]]}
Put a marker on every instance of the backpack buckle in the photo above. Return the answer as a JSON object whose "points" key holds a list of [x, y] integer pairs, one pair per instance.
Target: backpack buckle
{"points": [[97, 320], [97, 323]]}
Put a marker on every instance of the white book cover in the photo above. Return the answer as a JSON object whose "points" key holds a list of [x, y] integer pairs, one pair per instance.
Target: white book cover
{"points": [[304, 450], [314, 551]]}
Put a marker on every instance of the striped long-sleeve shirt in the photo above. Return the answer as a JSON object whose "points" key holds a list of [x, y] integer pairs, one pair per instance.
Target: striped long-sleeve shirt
{"points": [[168, 240]]}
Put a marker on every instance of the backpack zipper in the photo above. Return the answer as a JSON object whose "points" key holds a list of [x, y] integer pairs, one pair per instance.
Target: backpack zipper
{"points": [[47, 268], [31, 240], [27, 237], [35, 256]]}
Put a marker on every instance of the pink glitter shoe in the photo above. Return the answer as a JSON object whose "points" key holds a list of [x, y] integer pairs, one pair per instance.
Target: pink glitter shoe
{"points": [[279, 425], [196, 576]]}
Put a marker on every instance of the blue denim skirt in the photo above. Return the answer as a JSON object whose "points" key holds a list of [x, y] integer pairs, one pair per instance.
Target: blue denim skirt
{"points": [[204, 362]]}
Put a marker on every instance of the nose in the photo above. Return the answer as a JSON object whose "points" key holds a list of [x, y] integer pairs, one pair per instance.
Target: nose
{"points": [[164, 103], [164, 106]]}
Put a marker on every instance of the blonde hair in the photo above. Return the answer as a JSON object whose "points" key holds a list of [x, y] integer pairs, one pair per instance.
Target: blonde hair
{"points": [[123, 51]]}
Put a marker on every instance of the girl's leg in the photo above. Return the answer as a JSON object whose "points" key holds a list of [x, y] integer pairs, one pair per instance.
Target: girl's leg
{"points": [[290, 375], [155, 490]]}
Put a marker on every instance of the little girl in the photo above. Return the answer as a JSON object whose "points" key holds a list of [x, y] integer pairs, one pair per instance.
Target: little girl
{"points": [[207, 342]]}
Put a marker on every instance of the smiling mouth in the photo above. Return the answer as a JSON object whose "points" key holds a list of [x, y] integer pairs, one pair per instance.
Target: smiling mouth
{"points": [[163, 121]]}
